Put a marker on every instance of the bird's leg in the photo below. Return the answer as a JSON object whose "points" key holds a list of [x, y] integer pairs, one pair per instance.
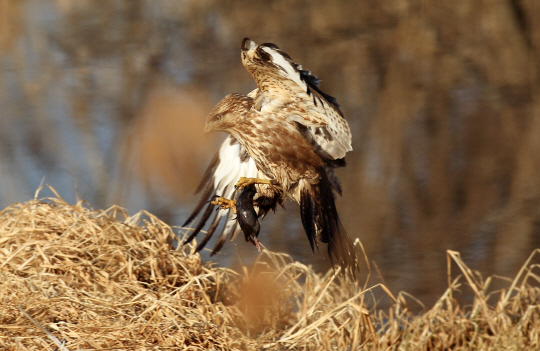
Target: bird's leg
{"points": [[244, 182], [224, 203]]}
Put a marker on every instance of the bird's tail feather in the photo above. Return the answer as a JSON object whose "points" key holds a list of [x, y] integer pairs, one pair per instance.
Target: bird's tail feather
{"points": [[321, 223]]}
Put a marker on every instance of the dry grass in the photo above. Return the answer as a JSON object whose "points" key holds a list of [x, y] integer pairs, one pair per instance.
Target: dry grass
{"points": [[104, 280]]}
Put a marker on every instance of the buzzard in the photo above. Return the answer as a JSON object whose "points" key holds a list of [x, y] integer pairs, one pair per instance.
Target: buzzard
{"points": [[285, 140]]}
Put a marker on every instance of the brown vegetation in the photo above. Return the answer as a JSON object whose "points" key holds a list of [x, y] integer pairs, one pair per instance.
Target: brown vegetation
{"points": [[104, 280]]}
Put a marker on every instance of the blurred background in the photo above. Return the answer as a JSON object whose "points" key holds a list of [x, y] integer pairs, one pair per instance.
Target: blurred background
{"points": [[106, 101]]}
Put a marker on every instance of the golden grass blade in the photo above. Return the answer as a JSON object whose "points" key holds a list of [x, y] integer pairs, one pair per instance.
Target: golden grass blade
{"points": [[58, 343], [523, 269]]}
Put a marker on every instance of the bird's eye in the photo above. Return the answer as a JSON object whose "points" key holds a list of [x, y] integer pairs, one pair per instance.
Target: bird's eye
{"points": [[219, 117]]}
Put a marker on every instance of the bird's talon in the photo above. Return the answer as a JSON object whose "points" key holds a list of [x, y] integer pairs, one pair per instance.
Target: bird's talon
{"points": [[224, 204]]}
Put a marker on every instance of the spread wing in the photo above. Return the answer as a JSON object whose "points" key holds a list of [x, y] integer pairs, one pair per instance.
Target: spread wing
{"points": [[284, 86], [229, 164]]}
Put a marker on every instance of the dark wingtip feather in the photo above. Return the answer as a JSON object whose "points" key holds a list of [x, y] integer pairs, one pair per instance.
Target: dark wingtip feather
{"points": [[308, 217], [222, 238], [201, 224], [203, 200], [208, 176], [208, 179], [219, 244], [313, 82], [209, 233], [341, 249]]}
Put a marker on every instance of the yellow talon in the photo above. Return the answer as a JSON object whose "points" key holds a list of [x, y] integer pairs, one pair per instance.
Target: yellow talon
{"points": [[243, 182], [224, 204]]}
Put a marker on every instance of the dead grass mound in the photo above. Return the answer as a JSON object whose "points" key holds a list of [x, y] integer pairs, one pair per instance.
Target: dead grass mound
{"points": [[72, 278]]}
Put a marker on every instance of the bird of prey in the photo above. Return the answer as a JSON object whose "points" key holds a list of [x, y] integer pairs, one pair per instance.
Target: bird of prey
{"points": [[285, 140]]}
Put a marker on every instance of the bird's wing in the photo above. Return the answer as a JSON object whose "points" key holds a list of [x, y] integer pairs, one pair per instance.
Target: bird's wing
{"points": [[285, 87], [229, 164]]}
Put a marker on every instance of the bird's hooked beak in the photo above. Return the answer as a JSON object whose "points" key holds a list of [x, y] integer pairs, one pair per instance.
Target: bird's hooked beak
{"points": [[211, 123], [208, 127]]}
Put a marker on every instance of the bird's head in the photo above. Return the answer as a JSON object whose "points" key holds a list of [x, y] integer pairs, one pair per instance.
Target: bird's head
{"points": [[228, 112]]}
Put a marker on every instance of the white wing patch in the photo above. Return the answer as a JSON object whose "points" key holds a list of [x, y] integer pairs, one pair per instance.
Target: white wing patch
{"points": [[290, 71], [230, 163], [231, 168]]}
